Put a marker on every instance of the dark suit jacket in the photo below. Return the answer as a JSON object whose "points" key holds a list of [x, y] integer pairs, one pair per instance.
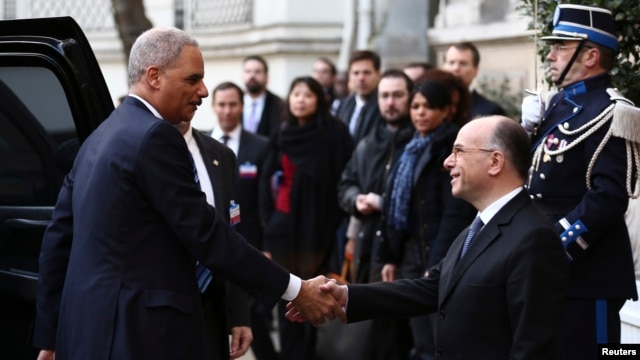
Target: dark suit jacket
{"points": [[117, 271], [481, 106], [369, 115], [251, 153], [221, 312], [502, 300], [272, 115]]}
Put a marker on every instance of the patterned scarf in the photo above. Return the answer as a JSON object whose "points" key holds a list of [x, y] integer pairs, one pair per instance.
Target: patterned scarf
{"points": [[403, 182]]}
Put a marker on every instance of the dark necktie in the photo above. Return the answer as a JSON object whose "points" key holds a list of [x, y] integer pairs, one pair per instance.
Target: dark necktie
{"points": [[225, 139], [475, 227], [203, 274]]}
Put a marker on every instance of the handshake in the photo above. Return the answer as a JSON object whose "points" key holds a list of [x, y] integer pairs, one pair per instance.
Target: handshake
{"points": [[320, 299]]}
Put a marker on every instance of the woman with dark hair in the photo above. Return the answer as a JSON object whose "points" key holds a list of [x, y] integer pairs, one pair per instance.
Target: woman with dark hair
{"points": [[301, 212], [460, 113], [423, 217]]}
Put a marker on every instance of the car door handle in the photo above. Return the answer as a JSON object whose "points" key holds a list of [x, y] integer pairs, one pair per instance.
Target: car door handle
{"points": [[26, 223]]}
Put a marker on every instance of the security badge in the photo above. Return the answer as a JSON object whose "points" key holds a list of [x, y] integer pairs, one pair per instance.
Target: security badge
{"points": [[248, 171], [234, 213]]}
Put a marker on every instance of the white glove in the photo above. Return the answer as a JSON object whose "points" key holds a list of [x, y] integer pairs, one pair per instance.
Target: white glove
{"points": [[532, 111]]}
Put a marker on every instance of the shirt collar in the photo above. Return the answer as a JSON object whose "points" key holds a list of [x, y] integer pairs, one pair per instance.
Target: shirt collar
{"points": [[149, 106], [259, 100], [487, 214], [582, 87], [188, 136], [233, 134], [359, 101]]}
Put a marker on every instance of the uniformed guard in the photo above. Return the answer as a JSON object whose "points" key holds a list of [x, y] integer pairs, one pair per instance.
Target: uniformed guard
{"points": [[582, 177]]}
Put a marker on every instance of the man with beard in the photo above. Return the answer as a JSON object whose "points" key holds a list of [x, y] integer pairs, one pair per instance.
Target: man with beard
{"points": [[262, 111], [360, 194]]}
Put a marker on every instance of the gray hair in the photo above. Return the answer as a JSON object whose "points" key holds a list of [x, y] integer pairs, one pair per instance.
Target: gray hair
{"points": [[158, 46]]}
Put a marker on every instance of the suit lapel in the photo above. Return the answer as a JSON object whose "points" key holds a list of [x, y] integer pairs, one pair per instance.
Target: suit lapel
{"points": [[488, 236], [211, 160], [243, 147], [349, 107]]}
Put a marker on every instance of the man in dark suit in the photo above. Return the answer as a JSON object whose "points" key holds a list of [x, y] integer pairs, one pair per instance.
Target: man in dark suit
{"points": [[263, 111], [462, 60], [498, 295], [250, 150], [117, 265], [359, 111], [225, 306]]}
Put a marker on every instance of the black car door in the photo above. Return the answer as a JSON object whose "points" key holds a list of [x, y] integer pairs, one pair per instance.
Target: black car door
{"points": [[52, 95]]}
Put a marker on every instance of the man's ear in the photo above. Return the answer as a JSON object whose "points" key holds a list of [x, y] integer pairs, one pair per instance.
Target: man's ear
{"points": [[591, 57], [497, 163], [152, 76]]}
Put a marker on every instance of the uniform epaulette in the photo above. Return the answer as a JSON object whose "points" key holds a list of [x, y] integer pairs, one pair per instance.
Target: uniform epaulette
{"points": [[626, 117], [626, 125]]}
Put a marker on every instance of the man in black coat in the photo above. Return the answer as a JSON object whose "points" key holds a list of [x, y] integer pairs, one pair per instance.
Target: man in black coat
{"points": [[263, 111], [361, 186], [360, 193], [250, 149], [225, 306], [498, 294], [462, 60], [359, 111]]}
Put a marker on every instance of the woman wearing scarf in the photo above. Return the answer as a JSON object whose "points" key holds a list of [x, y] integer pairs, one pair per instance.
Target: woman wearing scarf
{"points": [[423, 217], [301, 213]]}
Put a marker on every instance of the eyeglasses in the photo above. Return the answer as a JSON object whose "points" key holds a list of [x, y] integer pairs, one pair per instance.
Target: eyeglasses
{"points": [[457, 150], [558, 48]]}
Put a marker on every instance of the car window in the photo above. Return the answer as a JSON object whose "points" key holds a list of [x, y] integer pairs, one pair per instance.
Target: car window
{"points": [[38, 138]]}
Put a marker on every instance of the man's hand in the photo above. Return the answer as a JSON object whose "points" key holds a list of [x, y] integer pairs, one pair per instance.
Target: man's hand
{"points": [[373, 200], [315, 305], [388, 272], [241, 338], [362, 205], [47, 355], [339, 292], [532, 111]]}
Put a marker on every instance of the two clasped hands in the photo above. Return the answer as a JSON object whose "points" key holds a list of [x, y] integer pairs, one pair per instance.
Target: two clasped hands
{"points": [[320, 299]]}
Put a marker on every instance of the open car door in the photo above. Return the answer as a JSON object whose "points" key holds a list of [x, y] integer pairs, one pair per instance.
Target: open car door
{"points": [[52, 95]]}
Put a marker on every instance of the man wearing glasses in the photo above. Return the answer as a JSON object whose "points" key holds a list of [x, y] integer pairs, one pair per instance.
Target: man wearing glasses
{"points": [[578, 176], [499, 290]]}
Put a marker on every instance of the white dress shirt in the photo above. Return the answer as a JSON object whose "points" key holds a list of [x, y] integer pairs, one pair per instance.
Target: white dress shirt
{"points": [[248, 123], [493, 209], [234, 137], [353, 122], [203, 175]]}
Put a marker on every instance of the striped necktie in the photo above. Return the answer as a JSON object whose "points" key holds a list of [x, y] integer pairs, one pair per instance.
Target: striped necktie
{"points": [[475, 227], [203, 274]]}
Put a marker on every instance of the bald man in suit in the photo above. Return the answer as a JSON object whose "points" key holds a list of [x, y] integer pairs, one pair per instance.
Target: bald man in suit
{"points": [[500, 294]]}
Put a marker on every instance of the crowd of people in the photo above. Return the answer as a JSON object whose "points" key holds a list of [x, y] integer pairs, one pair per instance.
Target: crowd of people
{"points": [[470, 235]]}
